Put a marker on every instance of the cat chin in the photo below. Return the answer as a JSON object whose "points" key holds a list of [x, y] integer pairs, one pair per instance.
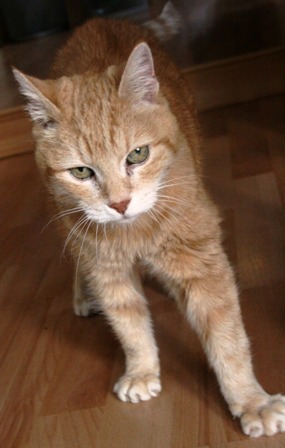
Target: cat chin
{"points": [[126, 220], [120, 219], [123, 220]]}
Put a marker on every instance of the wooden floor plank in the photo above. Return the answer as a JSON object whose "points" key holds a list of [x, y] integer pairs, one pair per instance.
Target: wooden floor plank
{"points": [[258, 230]]}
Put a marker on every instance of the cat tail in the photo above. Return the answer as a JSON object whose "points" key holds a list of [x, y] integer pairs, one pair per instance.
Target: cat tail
{"points": [[167, 25]]}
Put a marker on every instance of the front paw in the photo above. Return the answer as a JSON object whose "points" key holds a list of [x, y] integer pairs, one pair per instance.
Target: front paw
{"points": [[136, 388], [266, 420]]}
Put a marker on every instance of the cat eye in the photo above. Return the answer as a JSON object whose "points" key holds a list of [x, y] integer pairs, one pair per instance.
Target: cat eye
{"points": [[138, 155], [82, 172]]}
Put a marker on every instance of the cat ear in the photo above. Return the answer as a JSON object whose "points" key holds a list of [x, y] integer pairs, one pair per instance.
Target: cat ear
{"points": [[138, 81], [39, 94]]}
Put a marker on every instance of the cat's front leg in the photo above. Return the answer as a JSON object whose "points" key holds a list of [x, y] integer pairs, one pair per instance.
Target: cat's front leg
{"points": [[122, 301], [210, 301]]}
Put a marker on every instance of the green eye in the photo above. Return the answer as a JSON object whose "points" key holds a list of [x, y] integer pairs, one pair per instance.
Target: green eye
{"points": [[82, 172], [138, 155]]}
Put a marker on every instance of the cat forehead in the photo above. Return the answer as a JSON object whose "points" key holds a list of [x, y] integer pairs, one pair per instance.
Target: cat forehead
{"points": [[96, 108], [94, 105], [84, 93], [98, 94]]}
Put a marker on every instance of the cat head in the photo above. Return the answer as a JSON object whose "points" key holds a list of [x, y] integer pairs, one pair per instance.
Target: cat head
{"points": [[105, 142]]}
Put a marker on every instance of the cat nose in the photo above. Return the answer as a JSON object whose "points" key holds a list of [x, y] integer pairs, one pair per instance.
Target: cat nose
{"points": [[120, 207]]}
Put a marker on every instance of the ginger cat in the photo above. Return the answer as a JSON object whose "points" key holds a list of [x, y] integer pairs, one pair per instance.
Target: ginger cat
{"points": [[118, 147]]}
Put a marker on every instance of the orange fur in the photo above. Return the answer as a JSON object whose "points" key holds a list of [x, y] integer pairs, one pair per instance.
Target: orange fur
{"points": [[101, 104]]}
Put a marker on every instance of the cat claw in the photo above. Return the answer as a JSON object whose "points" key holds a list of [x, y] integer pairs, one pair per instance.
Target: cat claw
{"points": [[137, 388]]}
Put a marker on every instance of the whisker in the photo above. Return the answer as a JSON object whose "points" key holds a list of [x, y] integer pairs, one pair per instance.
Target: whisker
{"points": [[62, 214], [81, 222], [106, 237], [82, 225], [177, 218], [176, 178], [81, 247], [173, 199], [152, 214], [96, 241], [173, 182], [162, 216], [177, 184]]}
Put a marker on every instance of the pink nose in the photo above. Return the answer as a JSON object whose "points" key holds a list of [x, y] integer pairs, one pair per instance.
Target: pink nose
{"points": [[120, 207]]}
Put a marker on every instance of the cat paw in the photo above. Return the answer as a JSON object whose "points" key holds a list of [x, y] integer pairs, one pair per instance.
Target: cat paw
{"points": [[85, 308], [137, 388], [267, 420]]}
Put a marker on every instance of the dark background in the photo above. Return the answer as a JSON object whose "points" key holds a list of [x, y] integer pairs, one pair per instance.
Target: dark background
{"points": [[214, 29]]}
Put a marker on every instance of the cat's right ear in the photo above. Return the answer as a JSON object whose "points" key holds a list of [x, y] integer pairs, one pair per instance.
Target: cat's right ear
{"points": [[39, 95]]}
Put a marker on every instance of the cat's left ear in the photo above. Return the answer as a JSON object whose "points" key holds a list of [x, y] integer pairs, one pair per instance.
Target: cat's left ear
{"points": [[138, 82]]}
